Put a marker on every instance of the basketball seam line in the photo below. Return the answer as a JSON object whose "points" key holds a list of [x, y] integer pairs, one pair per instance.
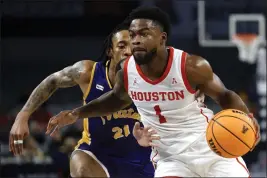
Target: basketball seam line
{"points": [[218, 142], [239, 119], [231, 132]]}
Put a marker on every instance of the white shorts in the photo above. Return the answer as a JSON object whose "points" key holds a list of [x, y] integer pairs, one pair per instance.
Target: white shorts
{"points": [[199, 161]]}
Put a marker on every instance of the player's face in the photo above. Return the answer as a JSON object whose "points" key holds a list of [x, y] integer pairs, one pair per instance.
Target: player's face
{"points": [[146, 38], [121, 45]]}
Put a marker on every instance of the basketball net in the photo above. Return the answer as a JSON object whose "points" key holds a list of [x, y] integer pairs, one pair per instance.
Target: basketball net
{"points": [[248, 46]]}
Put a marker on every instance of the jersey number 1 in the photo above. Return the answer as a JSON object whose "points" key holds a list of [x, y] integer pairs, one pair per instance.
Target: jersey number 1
{"points": [[162, 119]]}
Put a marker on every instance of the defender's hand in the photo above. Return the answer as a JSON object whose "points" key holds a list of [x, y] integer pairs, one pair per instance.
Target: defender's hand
{"points": [[200, 97], [257, 127], [145, 136], [62, 119], [18, 132]]}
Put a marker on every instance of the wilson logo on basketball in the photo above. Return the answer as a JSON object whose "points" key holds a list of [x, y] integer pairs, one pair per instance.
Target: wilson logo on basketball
{"points": [[213, 147], [244, 129]]}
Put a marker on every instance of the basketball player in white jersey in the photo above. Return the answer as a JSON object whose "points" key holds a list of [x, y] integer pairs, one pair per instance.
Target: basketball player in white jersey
{"points": [[161, 81]]}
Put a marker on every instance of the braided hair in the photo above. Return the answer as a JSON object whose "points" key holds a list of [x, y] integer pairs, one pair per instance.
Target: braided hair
{"points": [[108, 42]]}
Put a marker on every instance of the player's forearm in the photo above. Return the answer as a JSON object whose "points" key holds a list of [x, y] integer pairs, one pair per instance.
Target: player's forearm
{"points": [[102, 106], [230, 100], [40, 94]]}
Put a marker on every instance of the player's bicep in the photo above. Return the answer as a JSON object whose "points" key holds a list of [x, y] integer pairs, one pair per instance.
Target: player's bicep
{"points": [[119, 88], [213, 87], [200, 74], [69, 76]]}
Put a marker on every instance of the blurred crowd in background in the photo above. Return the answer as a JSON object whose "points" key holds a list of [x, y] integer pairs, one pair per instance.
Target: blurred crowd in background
{"points": [[41, 37]]}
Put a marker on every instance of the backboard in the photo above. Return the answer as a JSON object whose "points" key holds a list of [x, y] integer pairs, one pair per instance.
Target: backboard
{"points": [[235, 23]]}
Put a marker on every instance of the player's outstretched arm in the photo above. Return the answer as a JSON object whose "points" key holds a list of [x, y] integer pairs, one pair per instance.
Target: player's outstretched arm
{"points": [[68, 77], [108, 103], [200, 75]]}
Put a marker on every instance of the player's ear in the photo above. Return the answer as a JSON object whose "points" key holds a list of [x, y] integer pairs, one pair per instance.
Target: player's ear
{"points": [[163, 38]]}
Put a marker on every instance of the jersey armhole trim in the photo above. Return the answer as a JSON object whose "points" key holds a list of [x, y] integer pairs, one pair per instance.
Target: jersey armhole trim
{"points": [[106, 70], [125, 74], [185, 80], [90, 83]]}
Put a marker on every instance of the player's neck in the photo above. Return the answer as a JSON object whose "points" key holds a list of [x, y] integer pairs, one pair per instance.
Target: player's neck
{"points": [[157, 66], [112, 71]]}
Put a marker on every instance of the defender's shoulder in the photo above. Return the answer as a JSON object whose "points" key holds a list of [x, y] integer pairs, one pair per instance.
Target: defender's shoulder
{"points": [[88, 67], [88, 64]]}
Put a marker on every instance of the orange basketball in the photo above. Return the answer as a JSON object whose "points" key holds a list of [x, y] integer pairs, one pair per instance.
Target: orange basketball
{"points": [[231, 133]]}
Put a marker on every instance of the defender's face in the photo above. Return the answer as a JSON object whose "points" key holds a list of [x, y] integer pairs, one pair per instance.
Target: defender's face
{"points": [[121, 45], [145, 36]]}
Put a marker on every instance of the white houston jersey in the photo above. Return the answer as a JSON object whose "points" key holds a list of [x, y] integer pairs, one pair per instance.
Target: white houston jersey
{"points": [[168, 104]]}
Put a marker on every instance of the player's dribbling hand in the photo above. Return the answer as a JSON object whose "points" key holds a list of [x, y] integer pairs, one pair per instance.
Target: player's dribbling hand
{"points": [[18, 132], [145, 136], [64, 118], [257, 127]]}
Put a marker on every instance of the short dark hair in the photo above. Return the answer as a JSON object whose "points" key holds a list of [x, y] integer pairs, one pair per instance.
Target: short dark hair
{"points": [[108, 41], [152, 13]]}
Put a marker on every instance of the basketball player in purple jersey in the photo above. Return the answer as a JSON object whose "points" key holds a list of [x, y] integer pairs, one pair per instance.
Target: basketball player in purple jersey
{"points": [[107, 147]]}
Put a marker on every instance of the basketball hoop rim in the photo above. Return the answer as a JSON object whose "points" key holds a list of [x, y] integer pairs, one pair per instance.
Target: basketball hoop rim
{"points": [[248, 45], [245, 37]]}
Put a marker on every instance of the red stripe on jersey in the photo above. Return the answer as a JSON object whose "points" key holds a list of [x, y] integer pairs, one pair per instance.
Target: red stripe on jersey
{"points": [[125, 74], [186, 82], [166, 72]]}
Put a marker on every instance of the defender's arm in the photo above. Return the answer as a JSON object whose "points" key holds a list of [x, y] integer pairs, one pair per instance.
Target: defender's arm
{"points": [[108, 103], [68, 77]]}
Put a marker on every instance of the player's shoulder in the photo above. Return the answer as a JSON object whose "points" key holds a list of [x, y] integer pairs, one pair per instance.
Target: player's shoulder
{"points": [[198, 67], [88, 64], [195, 61], [175, 50], [86, 68], [190, 58]]}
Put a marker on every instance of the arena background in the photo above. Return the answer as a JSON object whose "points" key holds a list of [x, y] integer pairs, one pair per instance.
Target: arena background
{"points": [[41, 37]]}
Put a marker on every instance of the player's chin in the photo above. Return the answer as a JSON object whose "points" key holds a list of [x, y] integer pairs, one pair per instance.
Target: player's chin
{"points": [[139, 58], [139, 53]]}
